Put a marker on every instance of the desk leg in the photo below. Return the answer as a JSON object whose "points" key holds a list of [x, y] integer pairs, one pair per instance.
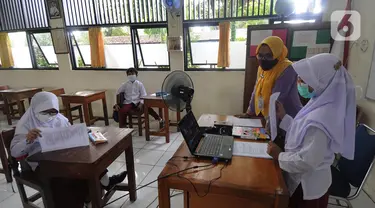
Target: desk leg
{"points": [[20, 108], [86, 112], [105, 111], [129, 157], [164, 195], [7, 111], [90, 111], [166, 128], [68, 112], [95, 192], [47, 191], [147, 122]]}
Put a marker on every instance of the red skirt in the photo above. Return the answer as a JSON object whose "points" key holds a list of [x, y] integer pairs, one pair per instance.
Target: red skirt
{"points": [[297, 201]]}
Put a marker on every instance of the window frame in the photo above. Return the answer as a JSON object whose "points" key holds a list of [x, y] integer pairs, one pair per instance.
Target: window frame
{"points": [[33, 38], [134, 43], [187, 43], [29, 39]]}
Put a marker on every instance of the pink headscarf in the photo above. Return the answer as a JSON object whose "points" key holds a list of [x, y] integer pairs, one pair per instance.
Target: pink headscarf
{"points": [[332, 110]]}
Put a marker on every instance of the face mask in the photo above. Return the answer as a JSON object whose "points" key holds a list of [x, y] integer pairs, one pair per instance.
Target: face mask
{"points": [[132, 78], [267, 64], [303, 90], [45, 118]]}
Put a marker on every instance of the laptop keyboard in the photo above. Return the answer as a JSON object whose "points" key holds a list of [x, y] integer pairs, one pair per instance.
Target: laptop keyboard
{"points": [[210, 145]]}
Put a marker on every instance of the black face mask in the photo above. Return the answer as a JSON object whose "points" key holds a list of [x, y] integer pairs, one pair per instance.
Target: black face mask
{"points": [[268, 64]]}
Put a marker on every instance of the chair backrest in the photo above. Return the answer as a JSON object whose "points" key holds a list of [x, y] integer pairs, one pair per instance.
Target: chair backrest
{"points": [[5, 87], [356, 171], [7, 136]]}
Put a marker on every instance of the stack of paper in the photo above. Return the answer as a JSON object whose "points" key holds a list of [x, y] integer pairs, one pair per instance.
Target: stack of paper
{"points": [[251, 149], [63, 138], [247, 122]]}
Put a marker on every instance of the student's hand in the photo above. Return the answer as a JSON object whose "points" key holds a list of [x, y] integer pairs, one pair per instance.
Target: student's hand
{"points": [[140, 107], [273, 150], [32, 135], [116, 107], [280, 110], [245, 115]]}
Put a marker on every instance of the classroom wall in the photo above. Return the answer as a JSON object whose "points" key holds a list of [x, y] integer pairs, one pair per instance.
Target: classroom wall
{"points": [[216, 92]]}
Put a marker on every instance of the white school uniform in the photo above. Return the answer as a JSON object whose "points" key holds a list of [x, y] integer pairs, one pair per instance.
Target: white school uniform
{"points": [[133, 91]]}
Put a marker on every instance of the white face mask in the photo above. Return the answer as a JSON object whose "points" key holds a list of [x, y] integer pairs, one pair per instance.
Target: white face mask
{"points": [[132, 78], [45, 118]]}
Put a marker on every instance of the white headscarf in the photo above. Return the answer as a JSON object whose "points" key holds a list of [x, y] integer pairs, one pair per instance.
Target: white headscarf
{"points": [[40, 102], [332, 109]]}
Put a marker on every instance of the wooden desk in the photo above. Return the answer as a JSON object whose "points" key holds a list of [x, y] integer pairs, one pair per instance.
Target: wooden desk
{"points": [[157, 102], [86, 98], [57, 91], [17, 95], [89, 162], [245, 182]]}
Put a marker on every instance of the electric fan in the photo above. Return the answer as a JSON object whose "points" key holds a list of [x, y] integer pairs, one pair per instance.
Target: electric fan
{"points": [[178, 91]]}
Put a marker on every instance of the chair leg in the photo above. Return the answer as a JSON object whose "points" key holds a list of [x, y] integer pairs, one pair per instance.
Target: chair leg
{"points": [[80, 115], [140, 125], [130, 120], [22, 192]]}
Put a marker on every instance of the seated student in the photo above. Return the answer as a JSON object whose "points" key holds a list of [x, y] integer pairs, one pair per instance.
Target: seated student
{"points": [[44, 112], [326, 125], [133, 91], [275, 74]]}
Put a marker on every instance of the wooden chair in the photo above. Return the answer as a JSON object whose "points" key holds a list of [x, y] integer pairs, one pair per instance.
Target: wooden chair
{"points": [[140, 120], [22, 178], [13, 111], [134, 114], [75, 107], [4, 161]]}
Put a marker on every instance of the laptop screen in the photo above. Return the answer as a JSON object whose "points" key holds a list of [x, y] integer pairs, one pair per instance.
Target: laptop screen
{"points": [[190, 131]]}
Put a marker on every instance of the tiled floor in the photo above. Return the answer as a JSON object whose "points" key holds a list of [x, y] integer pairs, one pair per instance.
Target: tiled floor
{"points": [[150, 158]]}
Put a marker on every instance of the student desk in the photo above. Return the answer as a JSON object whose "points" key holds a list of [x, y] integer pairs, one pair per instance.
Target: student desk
{"points": [[245, 182], [86, 98], [17, 95], [89, 162], [157, 102]]}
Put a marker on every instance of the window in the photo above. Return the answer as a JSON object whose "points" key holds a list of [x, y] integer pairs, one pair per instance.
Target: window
{"points": [[81, 48], [151, 44], [33, 50], [124, 47], [20, 50], [44, 53], [203, 45]]}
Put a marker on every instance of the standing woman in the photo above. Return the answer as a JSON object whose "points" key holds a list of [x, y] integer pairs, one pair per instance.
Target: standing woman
{"points": [[275, 74], [326, 125]]}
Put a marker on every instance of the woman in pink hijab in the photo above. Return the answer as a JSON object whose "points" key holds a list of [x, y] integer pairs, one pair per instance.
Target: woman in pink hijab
{"points": [[325, 126]]}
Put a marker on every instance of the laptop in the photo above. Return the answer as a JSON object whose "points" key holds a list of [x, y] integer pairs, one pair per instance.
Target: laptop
{"points": [[204, 145]]}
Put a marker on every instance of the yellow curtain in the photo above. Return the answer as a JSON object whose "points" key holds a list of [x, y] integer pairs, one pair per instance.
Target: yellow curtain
{"points": [[224, 41], [6, 55], [97, 47]]}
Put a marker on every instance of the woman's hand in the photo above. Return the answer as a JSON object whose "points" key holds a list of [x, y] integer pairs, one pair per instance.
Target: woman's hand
{"points": [[248, 114], [32, 135], [280, 110], [273, 150]]}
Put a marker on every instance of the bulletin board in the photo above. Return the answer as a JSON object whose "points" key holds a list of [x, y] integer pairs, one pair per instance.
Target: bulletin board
{"points": [[307, 43]]}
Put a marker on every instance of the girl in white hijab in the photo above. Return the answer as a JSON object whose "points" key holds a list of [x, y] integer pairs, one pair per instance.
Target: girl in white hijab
{"points": [[44, 112], [326, 125]]}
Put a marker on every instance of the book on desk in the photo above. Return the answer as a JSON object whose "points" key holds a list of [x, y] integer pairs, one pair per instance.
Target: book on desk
{"points": [[97, 138]]}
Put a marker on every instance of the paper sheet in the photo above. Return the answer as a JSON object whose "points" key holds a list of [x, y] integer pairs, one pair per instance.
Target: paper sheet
{"points": [[244, 122], [250, 149], [63, 138], [272, 114], [207, 121]]}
